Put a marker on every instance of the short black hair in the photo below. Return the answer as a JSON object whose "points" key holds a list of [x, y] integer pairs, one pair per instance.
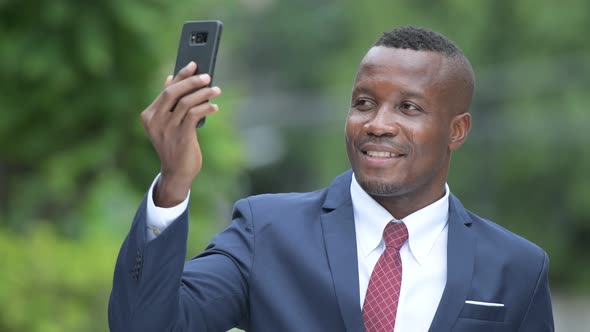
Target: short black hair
{"points": [[419, 39]]}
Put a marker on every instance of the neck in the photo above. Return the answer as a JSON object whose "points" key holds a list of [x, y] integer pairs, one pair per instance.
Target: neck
{"points": [[401, 206]]}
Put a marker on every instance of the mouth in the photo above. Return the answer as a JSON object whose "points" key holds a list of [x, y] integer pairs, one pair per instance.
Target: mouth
{"points": [[380, 154], [381, 147]]}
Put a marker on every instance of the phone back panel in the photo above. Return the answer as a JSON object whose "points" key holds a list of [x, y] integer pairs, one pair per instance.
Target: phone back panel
{"points": [[199, 42]]}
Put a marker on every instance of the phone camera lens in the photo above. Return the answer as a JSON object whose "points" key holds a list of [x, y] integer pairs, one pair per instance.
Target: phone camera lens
{"points": [[198, 38]]}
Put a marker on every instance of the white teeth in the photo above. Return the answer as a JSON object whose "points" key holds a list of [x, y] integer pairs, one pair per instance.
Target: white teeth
{"points": [[381, 154]]}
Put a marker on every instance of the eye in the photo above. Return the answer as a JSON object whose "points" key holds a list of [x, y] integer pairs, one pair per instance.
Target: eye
{"points": [[410, 108], [363, 104]]}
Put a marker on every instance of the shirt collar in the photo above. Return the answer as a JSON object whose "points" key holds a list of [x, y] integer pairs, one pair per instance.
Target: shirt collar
{"points": [[424, 225]]}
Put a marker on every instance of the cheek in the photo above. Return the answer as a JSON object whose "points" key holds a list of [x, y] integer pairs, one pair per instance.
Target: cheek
{"points": [[430, 140], [348, 134], [352, 126]]}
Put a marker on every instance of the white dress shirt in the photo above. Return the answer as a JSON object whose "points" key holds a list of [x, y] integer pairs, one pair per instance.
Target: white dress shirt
{"points": [[158, 218], [424, 256]]}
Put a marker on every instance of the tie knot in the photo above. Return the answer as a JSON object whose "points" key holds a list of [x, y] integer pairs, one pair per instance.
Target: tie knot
{"points": [[395, 235]]}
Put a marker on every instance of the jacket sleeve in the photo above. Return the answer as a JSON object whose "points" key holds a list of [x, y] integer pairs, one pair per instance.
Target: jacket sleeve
{"points": [[155, 290], [539, 314]]}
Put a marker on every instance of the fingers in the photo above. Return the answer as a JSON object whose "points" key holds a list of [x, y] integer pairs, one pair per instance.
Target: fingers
{"points": [[197, 113], [191, 100], [172, 93], [185, 72], [181, 94], [167, 99]]}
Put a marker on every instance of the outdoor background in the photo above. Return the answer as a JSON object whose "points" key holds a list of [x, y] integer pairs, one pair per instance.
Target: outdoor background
{"points": [[75, 161]]}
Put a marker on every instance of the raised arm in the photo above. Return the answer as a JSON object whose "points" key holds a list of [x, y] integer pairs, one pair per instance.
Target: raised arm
{"points": [[153, 288]]}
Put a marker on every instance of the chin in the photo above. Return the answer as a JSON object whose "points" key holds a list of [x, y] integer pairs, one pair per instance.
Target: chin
{"points": [[379, 187]]}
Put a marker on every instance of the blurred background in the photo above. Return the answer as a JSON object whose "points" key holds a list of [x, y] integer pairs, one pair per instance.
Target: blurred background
{"points": [[75, 161]]}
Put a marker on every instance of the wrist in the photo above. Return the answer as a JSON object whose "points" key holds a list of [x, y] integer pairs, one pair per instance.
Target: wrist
{"points": [[169, 192]]}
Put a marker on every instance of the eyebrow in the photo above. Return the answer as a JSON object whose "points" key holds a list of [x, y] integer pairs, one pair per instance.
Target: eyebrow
{"points": [[406, 94], [412, 95], [361, 89]]}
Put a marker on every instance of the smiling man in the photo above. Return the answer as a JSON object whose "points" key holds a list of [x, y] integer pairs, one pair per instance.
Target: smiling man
{"points": [[409, 111], [386, 247]]}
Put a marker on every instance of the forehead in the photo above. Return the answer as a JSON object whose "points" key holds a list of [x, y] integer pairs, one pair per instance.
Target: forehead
{"points": [[415, 70]]}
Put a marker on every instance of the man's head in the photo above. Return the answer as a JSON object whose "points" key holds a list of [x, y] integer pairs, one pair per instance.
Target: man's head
{"points": [[409, 110]]}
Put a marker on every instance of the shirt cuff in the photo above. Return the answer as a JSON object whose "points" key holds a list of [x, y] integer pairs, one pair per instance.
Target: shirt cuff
{"points": [[158, 218]]}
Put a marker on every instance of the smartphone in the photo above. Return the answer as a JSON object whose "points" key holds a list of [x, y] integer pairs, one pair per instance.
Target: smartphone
{"points": [[199, 42]]}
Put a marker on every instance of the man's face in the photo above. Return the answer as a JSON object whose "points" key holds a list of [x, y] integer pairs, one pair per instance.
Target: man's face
{"points": [[399, 127]]}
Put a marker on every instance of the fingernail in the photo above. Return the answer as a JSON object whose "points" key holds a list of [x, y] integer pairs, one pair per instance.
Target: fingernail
{"points": [[192, 63], [205, 77], [216, 89]]}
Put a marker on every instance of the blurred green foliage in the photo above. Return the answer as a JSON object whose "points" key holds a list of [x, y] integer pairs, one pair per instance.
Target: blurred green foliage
{"points": [[75, 162], [53, 283], [74, 159], [75, 77]]}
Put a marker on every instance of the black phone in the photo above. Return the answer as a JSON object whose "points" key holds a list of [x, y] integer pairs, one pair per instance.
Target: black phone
{"points": [[199, 42]]}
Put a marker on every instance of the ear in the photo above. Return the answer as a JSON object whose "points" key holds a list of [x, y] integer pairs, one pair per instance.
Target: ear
{"points": [[460, 126]]}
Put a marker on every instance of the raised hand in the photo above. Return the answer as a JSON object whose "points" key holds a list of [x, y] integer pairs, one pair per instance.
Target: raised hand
{"points": [[170, 122]]}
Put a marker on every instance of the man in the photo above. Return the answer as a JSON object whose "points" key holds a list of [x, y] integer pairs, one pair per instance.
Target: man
{"points": [[386, 247]]}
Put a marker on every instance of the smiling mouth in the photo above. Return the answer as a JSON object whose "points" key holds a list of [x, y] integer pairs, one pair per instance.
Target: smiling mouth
{"points": [[381, 154]]}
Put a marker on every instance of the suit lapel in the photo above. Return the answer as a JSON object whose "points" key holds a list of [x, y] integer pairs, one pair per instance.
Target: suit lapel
{"points": [[340, 240], [460, 263]]}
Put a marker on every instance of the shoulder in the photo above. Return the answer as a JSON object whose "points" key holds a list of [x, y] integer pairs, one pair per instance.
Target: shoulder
{"points": [[494, 233], [296, 204], [284, 204], [505, 247]]}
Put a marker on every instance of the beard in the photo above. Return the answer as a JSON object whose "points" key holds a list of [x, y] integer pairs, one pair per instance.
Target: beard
{"points": [[379, 188]]}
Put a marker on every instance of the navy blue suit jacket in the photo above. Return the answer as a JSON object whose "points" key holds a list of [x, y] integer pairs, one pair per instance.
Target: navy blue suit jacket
{"points": [[288, 262]]}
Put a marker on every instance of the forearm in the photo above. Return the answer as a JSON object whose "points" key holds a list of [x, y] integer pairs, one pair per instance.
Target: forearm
{"points": [[145, 293], [154, 290]]}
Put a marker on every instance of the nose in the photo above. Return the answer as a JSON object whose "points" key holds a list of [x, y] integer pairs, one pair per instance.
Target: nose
{"points": [[382, 123]]}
